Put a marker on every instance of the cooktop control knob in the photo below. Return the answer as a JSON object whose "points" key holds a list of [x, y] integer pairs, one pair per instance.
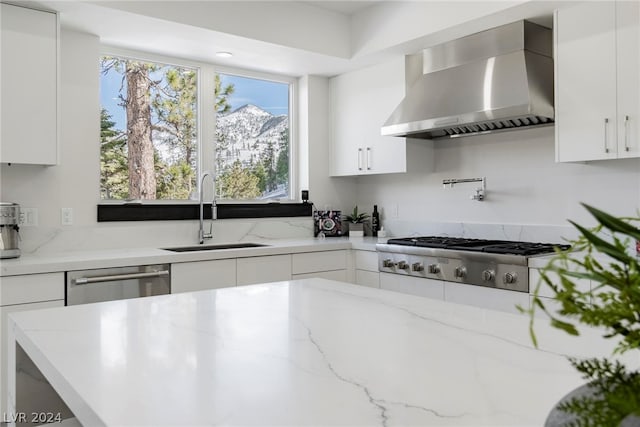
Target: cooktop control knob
{"points": [[417, 266], [433, 269], [488, 275], [460, 272], [387, 263], [402, 265], [510, 278]]}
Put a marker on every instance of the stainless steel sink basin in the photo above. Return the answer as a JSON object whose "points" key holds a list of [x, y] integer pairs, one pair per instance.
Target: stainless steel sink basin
{"points": [[215, 247]]}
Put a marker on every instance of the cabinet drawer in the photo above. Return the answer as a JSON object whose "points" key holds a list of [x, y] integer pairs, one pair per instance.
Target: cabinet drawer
{"points": [[319, 261], [368, 278], [366, 260], [263, 269], [429, 288], [31, 288], [340, 275]]}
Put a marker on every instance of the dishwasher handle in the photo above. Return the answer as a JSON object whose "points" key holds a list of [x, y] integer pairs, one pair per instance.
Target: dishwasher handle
{"points": [[116, 277]]}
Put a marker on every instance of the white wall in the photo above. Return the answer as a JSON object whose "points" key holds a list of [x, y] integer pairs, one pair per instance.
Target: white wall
{"points": [[326, 193], [74, 183], [524, 184]]}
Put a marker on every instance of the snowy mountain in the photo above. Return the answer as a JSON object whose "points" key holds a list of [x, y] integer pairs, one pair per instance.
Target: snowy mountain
{"points": [[247, 132]]}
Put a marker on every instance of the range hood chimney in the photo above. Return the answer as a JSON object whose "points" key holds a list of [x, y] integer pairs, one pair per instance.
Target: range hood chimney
{"points": [[495, 80]]}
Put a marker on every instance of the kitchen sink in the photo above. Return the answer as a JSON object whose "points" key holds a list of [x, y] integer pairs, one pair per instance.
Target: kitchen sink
{"points": [[215, 247]]}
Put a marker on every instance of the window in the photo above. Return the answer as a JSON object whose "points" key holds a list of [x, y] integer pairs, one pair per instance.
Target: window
{"points": [[158, 119], [148, 130], [253, 149]]}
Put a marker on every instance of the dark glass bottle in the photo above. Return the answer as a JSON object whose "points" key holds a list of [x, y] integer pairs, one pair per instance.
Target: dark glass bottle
{"points": [[375, 221]]}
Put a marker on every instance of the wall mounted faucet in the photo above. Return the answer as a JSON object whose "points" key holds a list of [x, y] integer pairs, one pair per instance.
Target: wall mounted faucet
{"points": [[480, 191], [214, 208]]}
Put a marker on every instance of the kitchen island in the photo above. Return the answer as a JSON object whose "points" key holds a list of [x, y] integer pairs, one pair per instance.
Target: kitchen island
{"points": [[302, 352]]}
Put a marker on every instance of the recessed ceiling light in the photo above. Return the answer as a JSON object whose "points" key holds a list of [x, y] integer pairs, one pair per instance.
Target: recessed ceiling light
{"points": [[224, 54]]}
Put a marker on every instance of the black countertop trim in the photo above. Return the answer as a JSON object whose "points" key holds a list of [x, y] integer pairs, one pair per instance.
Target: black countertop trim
{"points": [[172, 212]]}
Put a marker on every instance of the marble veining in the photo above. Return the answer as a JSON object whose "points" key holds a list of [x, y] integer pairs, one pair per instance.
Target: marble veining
{"points": [[303, 352]]}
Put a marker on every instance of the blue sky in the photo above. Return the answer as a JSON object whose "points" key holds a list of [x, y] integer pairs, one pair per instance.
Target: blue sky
{"points": [[270, 96]]}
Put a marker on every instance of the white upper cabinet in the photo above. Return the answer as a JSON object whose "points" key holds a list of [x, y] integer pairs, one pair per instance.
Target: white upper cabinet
{"points": [[596, 86], [361, 101], [29, 123], [628, 73]]}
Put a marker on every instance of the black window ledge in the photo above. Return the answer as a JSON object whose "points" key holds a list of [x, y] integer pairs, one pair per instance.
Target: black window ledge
{"points": [[173, 212]]}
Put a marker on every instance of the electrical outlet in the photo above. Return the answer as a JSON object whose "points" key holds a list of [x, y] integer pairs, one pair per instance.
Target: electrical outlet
{"points": [[66, 216], [28, 217]]}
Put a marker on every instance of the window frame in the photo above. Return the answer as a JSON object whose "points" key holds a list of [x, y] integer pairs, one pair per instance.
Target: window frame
{"points": [[206, 123], [293, 134]]}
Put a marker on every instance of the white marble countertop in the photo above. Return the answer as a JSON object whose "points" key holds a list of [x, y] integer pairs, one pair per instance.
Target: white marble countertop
{"points": [[304, 352], [81, 260]]}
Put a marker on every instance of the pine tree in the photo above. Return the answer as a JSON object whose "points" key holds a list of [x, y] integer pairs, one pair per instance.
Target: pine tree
{"points": [[114, 175]]}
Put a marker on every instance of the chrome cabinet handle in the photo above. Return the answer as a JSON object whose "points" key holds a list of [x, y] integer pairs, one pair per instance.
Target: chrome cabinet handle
{"points": [[626, 133], [359, 159], [606, 129], [116, 277], [369, 158]]}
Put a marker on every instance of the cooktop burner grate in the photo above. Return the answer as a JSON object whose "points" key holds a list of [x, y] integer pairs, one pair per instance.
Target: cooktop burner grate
{"points": [[479, 245]]}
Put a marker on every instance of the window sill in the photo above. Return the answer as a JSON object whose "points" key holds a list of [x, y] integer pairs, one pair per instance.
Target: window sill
{"points": [[174, 212]]}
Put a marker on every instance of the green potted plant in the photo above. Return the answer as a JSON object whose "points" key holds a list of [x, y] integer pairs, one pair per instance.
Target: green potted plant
{"points": [[603, 255], [356, 222]]}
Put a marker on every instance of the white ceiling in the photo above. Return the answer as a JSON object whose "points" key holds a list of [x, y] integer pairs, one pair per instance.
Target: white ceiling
{"points": [[344, 7], [293, 38]]}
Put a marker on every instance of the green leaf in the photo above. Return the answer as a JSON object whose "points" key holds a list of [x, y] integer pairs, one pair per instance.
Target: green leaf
{"points": [[567, 327], [612, 223], [603, 246]]}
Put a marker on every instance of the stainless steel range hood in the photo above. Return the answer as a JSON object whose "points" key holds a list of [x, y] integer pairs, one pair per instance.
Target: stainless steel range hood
{"points": [[496, 80]]}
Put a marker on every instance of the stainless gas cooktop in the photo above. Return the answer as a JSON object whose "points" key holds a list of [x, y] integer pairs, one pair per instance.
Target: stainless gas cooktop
{"points": [[493, 263]]}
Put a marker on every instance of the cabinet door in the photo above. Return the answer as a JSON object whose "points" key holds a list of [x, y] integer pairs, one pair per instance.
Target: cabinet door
{"points": [[29, 86], [366, 260], [4, 312], [202, 275], [585, 84], [263, 269], [361, 101], [313, 262], [419, 286], [481, 296], [628, 57]]}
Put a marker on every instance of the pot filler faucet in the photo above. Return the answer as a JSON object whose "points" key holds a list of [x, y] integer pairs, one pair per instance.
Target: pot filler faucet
{"points": [[214, 208], [481, 192]]}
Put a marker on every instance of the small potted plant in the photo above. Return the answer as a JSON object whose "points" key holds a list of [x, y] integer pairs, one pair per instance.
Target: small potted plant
{"points": [[356, 222], [605, 256]]}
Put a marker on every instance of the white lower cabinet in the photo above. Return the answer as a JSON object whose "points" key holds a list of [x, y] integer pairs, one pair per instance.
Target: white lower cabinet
{"points": [[203, 275], [429, 288], [481, 296], [366, 268], [327, 265], [22, 293], [263, 269], [583, 285], [368, 278], [340, 275]]}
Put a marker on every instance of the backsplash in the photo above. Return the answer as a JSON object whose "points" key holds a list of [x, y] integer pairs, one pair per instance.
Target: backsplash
{"points": [[516, 232]]}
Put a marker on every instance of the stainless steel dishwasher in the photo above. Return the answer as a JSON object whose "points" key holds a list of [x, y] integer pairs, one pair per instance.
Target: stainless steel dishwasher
{"points": [[108, 284]]}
